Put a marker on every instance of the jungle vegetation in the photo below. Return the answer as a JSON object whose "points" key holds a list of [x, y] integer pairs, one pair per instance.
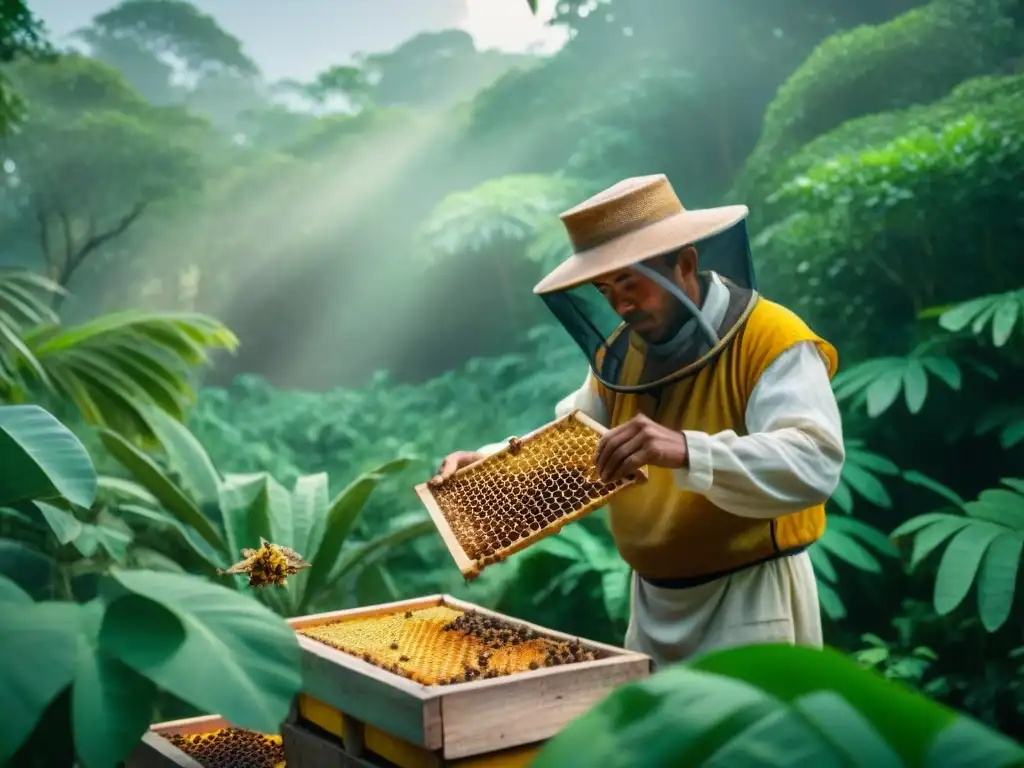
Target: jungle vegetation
{"points": [[233, 308]]}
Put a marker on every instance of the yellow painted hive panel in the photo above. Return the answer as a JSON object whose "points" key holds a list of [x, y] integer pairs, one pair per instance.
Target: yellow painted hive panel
{"points": [[230, 748], [441, 645], [527, 491]]}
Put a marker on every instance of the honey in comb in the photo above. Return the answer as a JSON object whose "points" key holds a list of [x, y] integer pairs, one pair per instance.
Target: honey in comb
{"points": [[517, 496], [441, 645], [231, 748]]}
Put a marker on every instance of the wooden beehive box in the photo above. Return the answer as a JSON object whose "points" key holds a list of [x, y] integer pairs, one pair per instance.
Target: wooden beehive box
{"points": [[527, 491], [156, 750], [462, 718]]}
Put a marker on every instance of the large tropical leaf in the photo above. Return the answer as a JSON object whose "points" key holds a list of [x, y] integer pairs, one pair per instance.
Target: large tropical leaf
{"points": [[251, 653], [860, 476], [117, 366], [878, 383], [854, 543], [170, 496], [773, 705], [510, 208], [329, 534], [25, 302], [983, 547], [38, 649], [42, 459]]}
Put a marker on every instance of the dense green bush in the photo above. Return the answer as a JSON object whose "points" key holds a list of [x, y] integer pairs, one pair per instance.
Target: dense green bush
{"points": [[870, 70], [882, 216]]}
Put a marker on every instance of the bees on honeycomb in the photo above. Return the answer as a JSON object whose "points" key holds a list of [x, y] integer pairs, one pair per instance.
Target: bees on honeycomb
{"points": [[533, 487], [270, 564], [441, 645], [231, 748]]}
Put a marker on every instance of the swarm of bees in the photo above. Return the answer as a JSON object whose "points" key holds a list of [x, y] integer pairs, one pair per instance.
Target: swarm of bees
{"points": [[270, 564]]}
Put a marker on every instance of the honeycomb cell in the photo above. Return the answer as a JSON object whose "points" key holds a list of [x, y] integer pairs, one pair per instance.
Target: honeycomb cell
{"points": [[525, 492], [441, 645], [231, 748]]}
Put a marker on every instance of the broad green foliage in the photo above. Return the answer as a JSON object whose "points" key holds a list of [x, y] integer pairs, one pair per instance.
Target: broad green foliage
{"points": [[41, 459], [143, 632], [879, 216], [217, 515], [777, 705], [850, 74], [983, 544], [110, 369]]}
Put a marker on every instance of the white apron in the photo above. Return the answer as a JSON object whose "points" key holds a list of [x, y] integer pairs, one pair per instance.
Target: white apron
{"points": [[775, 602]]}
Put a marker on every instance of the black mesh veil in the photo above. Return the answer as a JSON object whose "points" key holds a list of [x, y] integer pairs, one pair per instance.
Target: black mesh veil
{"points": [[606, 341]]}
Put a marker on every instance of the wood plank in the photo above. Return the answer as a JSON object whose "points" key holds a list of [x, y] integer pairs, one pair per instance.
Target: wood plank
{"points": [[466, 566], [368, 693], [365, 612], [528, 707], [154, 751], [604, 649]]}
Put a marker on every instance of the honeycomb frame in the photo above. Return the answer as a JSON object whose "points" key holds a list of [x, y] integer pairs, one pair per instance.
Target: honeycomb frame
{"points": [[157, 750], [464, 719], [465, 538]]}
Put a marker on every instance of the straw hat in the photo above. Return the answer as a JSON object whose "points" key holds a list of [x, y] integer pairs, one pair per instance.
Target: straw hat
{"points": [[634, 220]]}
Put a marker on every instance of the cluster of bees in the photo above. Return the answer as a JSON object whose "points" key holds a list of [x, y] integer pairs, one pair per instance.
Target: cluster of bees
{"points": [[231, 748], [270, 564]]}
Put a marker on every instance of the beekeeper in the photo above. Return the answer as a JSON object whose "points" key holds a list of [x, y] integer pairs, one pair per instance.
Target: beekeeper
{"points": [[723, 395]]}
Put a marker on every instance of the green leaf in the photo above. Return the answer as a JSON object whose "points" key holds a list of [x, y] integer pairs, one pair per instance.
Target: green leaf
{"points": [[246, 516], [111, 705], [1004, 319], [866, 485], [38, 649], [42, 459], [341, 517], [310, 500], [923, 481], [967, 742], [30, 569], [12, 594], [960, 316], [915, 386], [153, 479], [945, 369], [187, 535], [199, 478], [959, 565], [930, 538], [252, 653], [751, 706], [997, 580], [64, 525], [882, 393], [916, 523]]}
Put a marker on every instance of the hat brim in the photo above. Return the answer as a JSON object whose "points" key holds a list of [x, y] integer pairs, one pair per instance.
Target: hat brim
{"points": [[677, 231]]}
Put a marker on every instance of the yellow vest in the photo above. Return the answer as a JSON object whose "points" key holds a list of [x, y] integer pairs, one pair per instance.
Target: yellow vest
{"points": [[665, 533]]}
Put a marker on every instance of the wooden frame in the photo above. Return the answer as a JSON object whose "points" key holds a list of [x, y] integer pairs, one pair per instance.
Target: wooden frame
{"points": [[154, 751], [471, 568], [463, 719]]}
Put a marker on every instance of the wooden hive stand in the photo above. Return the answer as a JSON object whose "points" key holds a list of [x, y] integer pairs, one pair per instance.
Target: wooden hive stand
{"points": [[354, 714]]}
